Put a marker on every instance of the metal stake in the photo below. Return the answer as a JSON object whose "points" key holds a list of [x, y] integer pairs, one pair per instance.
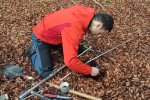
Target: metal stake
{"points": [[108, 51], [94, 51]]}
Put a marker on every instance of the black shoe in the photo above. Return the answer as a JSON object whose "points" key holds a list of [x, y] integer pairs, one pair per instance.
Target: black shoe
{"points": [[45, 74]]}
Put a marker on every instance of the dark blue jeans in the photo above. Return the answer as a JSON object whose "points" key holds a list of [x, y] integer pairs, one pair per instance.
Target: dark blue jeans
{"points": [[41, 58]]}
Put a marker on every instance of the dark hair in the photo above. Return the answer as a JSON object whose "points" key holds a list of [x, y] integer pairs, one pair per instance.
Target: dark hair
{"points": [[106, 19]]}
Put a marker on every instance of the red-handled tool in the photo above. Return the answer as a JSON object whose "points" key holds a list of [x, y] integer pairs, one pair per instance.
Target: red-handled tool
{"points": [[57, 96]]}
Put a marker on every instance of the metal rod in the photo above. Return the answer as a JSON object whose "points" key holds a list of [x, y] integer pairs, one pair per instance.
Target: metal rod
{"points": [[65, 76], [108, 51], [23, 95], [95, 51], [86, 46], [99, 56], [89, 48]]}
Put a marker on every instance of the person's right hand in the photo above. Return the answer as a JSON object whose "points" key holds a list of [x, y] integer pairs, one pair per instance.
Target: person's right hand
{"points": [[95, 71]]}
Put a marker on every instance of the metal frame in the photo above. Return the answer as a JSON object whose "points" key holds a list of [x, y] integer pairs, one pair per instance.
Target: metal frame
{"points": [[23, 95]]}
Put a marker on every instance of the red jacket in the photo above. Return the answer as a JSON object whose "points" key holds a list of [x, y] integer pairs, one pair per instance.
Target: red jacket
{"points": [[67, 26]]}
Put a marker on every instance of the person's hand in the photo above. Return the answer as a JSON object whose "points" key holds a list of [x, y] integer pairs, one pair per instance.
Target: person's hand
{"points": [[95, 71]]}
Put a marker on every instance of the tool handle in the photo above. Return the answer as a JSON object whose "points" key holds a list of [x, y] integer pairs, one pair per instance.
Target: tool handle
{"points": [[50, 95], [58, 96]]}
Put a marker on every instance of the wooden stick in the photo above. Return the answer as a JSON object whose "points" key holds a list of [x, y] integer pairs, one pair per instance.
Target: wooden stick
{"points": [[99, 5], [77, 93]]}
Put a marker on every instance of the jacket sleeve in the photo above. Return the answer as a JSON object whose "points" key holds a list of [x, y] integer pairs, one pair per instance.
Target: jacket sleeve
{"points": [[70, 40]]}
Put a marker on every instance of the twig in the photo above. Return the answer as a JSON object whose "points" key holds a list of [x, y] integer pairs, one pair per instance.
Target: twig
{"points": [[99, 5]]}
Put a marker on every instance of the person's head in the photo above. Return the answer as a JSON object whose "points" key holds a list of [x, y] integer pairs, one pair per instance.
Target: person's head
{"points": [[101, 22]]}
